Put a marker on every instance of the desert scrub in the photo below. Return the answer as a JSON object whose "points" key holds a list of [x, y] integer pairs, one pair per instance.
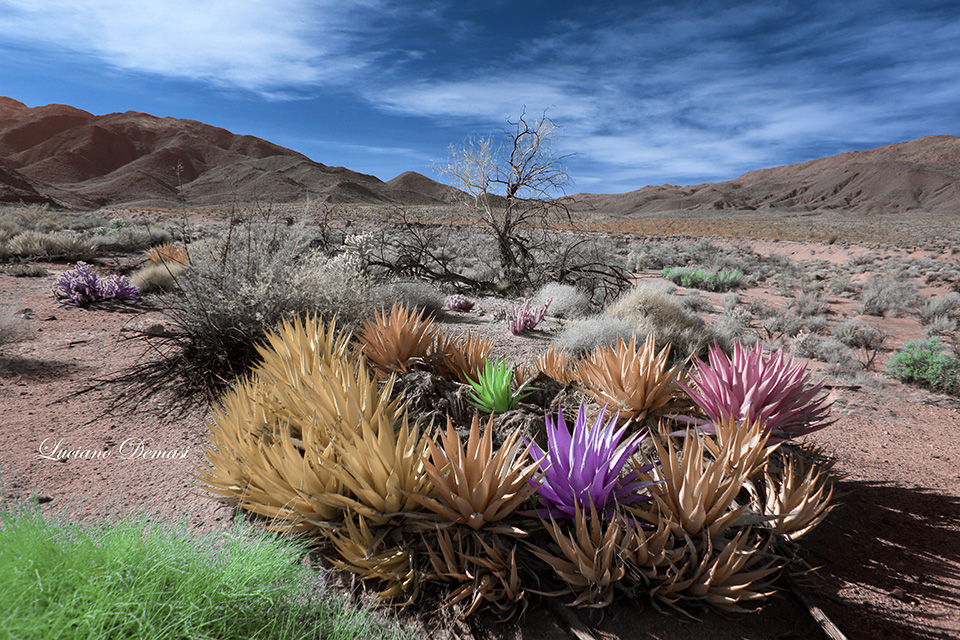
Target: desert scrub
{"points": [[567, 300], [148, 580], [937, 307], [413, 294], [236, 289], [653, 311], [700, 279], [131, 238], [924, 362], [583, 335], [21, 270], [888, 296], [60, 245]]}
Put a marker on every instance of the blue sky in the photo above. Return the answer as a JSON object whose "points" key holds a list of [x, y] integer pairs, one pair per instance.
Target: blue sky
{"points": [[643, 92]]}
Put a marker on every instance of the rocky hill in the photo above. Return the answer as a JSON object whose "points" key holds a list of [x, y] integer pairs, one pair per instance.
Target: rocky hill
{"points": [[920, 175], [60, 154]]}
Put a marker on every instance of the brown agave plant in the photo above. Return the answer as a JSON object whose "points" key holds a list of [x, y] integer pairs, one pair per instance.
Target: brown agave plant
{"points": [[799, 496], [727, 577], [367, 553], [474, 486], [483, 569], [590, 560], [463, 357], [393, 342], [168, 252], [636, 382], [697, 491]]}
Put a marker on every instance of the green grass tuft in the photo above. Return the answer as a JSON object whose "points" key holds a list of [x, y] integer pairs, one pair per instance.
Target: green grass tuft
{"points": [[141, 579]]}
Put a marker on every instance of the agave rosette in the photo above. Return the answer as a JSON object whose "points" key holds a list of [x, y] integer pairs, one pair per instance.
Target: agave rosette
{"points": [[697, 492], [727, 577], [366, 553], [749, 387], [637, 382], [492, 391], [474, 486], [556, 364], [589, 561], [463, 357], [798, 496], [393, 342], [584, 466], [484, 571]]}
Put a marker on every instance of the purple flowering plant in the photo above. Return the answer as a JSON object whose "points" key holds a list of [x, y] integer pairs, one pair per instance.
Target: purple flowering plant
{"points": [[584, 466], [80, 286]]}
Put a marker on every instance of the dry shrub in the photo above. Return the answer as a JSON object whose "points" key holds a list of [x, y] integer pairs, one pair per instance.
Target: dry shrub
{"points": [[65, 246], [657, 313], [152, 278]]}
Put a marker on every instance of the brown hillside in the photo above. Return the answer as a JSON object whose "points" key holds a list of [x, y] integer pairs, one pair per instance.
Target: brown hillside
{"points": [[80, 159], [922, 175]]}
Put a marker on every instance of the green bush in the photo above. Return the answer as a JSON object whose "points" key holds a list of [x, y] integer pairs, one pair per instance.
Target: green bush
{"points": [[700, 279], [924, 362]]}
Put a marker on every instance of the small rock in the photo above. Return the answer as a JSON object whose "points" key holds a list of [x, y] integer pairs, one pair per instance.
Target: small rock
{"points": [[43, 498]]}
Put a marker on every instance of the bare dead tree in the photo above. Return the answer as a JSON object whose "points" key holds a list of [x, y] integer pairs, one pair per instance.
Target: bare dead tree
{"points": [[512, 184]]}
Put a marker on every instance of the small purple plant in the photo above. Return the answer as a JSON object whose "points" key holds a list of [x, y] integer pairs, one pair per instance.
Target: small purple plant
{"points": [[80, 286], [458, 302], [525, 318], [118, 287], [585, 466]]}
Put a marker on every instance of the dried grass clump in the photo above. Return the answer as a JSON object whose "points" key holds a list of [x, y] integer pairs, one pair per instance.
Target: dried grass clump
{"points": [[63, 246], [596, 331], [152, 278], [567, 300], [167, 253], [654, 312]]}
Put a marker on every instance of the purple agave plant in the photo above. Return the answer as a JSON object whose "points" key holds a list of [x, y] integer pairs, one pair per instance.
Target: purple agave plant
{"points": [[585, 466], [459, 302], [118, 287], [749, 387], [80, 286], [525, 318]]}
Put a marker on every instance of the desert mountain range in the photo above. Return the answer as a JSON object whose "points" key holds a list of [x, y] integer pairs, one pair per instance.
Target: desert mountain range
{"points": [[62, 155]]}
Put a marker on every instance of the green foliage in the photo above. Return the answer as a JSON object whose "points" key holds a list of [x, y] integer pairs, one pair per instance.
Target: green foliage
{"points": [[148, 580], [925, 363], [493, 390], [700, 279]]}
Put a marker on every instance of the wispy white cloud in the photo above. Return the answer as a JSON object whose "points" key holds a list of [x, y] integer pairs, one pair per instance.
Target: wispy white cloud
{"points": [[247, 44]]}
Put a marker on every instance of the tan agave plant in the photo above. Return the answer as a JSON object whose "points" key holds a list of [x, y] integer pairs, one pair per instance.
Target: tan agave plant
{"points": [[474, 486], [366, 553], [556, 364], [381, 470], [463, 357], [590, 559], [799, 497], [271, 441], [484, 571], [636, 382], [697, 492], [648, 553], [392, 342], [168, 252], [739, 572]]}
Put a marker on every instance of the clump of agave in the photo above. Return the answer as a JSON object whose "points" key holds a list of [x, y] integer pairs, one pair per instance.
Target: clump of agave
{"points": [[583, 467], [750, 387], [492, 391], [315, 443]]}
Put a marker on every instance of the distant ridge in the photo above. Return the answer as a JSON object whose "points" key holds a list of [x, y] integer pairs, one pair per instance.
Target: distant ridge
{"points": [[920, 175], [63, 155]]}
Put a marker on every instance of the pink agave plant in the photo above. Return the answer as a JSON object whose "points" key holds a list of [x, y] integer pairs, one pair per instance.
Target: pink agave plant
{"points": [[750, 387], [584, 466], [526, 319]]}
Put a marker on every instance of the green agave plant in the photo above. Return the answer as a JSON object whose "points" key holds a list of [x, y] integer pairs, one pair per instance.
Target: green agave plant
{"points": [[493, 390]]}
